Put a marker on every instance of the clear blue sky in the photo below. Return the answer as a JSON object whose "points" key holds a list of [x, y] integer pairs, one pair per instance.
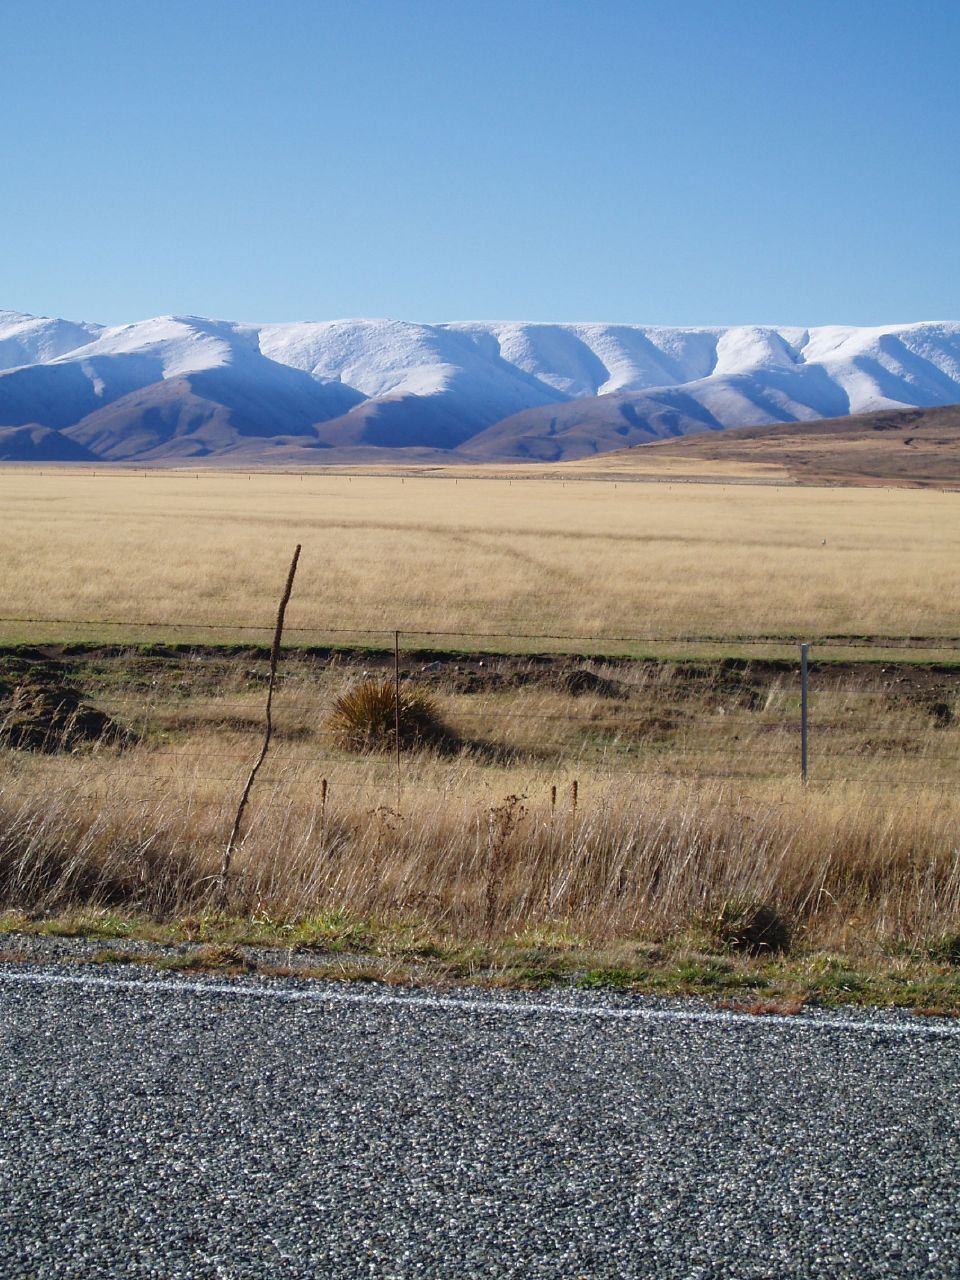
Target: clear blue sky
{"points": [[624, 160]]}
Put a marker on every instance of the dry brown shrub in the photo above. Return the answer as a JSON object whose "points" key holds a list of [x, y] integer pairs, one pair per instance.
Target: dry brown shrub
{"points": [[365, 718]]}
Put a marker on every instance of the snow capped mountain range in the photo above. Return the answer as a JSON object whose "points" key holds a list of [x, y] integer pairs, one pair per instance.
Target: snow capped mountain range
{"points": [[180, 387]]}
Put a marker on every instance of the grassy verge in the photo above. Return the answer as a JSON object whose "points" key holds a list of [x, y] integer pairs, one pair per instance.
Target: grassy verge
{"points": [[337, 946]]}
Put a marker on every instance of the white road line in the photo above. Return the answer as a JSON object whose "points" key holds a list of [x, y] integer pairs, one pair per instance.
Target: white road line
{"points": [[327, 996]]}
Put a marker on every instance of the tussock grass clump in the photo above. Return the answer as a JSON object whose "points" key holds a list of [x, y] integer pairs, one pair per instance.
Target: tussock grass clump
{"points": [[947, 948], [752, 927], [365, 718]]}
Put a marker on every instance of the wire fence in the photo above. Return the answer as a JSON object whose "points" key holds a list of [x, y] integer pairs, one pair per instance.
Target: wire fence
{"points": [[520, 710], [318, 631]]}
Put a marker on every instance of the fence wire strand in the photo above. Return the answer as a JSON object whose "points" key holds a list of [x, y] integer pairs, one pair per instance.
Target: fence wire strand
{"points": [[880, 643]]}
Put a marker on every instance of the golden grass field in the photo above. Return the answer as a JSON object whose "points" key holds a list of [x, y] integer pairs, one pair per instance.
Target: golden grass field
{"points": [[461, 553]]}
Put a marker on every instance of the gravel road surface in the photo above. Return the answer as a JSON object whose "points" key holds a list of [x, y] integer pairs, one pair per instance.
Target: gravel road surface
{"points": [[159, 1126]]}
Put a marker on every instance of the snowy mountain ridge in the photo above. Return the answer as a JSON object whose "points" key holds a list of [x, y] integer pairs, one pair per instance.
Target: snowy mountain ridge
{"points": [[184, 386]]}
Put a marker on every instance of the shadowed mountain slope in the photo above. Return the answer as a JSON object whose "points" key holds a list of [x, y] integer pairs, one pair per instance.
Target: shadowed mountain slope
{"points": [[40, 444]]}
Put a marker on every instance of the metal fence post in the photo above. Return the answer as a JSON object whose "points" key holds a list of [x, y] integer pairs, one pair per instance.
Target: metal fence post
{"points": [[804, 707], [396, 705]]}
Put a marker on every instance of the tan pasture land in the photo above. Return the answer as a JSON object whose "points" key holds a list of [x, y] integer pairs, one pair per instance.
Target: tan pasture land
{"points": [[457, 552]]}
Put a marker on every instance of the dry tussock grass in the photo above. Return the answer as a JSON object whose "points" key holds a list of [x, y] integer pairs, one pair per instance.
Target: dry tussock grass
{"points": [[481, 554], [849, 865]]}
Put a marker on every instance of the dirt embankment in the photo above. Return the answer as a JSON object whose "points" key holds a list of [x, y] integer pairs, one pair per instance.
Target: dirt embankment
{"points": [[49, 695]]}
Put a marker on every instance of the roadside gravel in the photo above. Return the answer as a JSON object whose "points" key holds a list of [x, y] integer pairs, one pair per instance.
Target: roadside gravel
{"points": [[158, 1126]]}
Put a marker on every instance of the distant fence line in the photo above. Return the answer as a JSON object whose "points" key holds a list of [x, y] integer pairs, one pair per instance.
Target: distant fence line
{"points": [[878, 642]]}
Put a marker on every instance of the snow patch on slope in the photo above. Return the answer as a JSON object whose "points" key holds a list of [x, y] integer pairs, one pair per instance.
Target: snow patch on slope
{"points": [[396, 359], [37, 339], [376, 357], [179, 345]]}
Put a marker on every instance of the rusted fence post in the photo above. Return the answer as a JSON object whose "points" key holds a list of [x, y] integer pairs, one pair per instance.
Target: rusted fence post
{"points": [[804, 711], [396, 705]]}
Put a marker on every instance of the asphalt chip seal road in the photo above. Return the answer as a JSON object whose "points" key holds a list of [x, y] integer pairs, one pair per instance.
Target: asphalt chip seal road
{"points": [[236, 1129]]}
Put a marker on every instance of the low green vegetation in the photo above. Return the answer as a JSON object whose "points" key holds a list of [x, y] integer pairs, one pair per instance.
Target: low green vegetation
{"points": [[688, 963]]}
